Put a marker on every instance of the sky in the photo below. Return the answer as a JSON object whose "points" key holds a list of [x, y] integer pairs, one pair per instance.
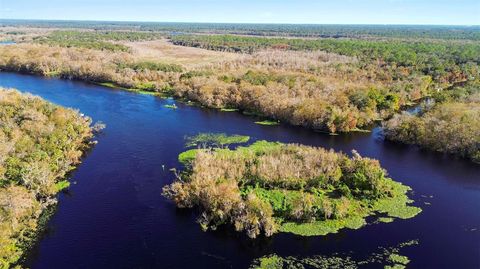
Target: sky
{"points": [[440, 12]]}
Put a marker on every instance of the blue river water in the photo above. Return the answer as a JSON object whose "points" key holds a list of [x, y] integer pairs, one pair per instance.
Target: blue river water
{"points": [[114, 216]]}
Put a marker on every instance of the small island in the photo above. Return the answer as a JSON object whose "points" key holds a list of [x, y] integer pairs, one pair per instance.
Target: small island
{"points": [[270, 187]]}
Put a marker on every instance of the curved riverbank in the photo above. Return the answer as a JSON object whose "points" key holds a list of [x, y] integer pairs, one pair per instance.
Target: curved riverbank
{"points": [[114, 216]]}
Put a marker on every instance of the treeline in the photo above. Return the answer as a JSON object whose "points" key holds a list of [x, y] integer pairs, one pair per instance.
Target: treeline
{"points": [[269, 187], [313, 89], [100, 40], [39, 143], [298, 30], [446, 62], [452, 125]]}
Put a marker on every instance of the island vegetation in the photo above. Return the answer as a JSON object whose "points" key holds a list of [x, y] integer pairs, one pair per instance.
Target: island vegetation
{"points": [[39, 144], [270, 187]]}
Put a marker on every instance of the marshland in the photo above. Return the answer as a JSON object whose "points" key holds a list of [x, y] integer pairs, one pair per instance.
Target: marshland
{"points": [[239, 146]]}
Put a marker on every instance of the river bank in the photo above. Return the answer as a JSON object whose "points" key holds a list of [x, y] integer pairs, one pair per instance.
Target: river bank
{"points": [[117, 195]]}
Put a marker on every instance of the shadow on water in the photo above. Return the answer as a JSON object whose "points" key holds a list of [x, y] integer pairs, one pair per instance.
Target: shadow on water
{"points": [[115, 216]]}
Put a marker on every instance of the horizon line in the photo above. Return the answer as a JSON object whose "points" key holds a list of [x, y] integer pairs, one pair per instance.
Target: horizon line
{"points": [[265, 23]]}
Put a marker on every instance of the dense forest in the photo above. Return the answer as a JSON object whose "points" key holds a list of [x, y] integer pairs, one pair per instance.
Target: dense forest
{"points": [[444, 61], [270, 187], [295, 30], [93, 39], [39, 144]]}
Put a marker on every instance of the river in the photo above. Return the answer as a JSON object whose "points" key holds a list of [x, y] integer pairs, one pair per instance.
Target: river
{"points": [[114, 216]]}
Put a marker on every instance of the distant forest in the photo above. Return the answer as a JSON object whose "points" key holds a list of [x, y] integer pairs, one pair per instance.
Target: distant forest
{"points": [[293, 30]]}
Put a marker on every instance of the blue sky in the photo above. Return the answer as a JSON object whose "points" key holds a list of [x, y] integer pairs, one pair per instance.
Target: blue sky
{"points": [[459, 12]]}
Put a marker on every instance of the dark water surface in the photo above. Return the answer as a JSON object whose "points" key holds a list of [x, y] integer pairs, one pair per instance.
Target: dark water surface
{"points": [[115, 217]]}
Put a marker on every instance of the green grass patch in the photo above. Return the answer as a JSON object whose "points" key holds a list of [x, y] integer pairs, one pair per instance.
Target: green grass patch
{"points": [[111, 85], [228, 109], [270, 262], [398, 205], [171, 106], [384, 257], [399, 259], [187, 156], [212, 139], [385, 219], [323, 227], [268, 122], [148, 93], [142, 88], [62, 185]]}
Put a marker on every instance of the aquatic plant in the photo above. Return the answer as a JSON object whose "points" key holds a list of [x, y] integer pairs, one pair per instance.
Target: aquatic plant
{"points": [[62, 185], [388, 257], [215, 139], [268, 122], [228, 109], [270, 262], [171, 106], [187, 156], [399, 259]]}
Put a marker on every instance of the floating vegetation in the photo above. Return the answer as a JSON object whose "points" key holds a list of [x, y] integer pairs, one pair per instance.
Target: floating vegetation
{"points": [[385, 219], [270, 187], [228, 109], [140, 88], [398, 259], [270, 262], [148, 93], [388, 257], [62, 185], [171, 106], [398, 207], [358, 130], [268, 122], [187, 156], [111, 85], [212, 139], [323, 227]]}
